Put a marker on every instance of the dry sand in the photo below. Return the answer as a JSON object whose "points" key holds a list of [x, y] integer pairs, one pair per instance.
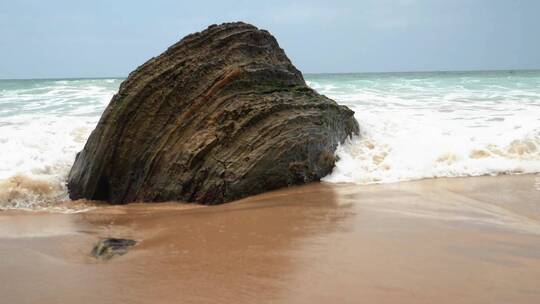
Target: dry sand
{"points": [[461, 240]]}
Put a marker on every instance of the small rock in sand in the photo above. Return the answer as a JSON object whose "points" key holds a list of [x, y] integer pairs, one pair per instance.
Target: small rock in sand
{"points": [[105, 249]]}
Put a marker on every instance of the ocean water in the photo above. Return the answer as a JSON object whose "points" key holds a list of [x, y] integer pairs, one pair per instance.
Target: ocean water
{"points": [[445, 124], [413, 126], [43, 124]]}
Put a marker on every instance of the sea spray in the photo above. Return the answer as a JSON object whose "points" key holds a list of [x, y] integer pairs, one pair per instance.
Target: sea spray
{"points": [[424, 125], [43, 124]]}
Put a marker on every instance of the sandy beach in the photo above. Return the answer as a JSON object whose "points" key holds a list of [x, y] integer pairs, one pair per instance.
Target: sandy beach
{"points": [[457, 240]]}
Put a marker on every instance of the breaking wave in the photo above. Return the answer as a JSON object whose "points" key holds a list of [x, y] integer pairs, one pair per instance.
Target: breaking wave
{"points": [[416, 126], [43, 124]]}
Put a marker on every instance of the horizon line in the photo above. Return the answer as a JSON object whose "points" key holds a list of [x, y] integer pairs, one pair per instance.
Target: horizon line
{"points": [[307, 73]]}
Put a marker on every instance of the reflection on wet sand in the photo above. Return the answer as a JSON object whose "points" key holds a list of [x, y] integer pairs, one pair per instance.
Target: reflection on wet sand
{"points": [[474, 240]]}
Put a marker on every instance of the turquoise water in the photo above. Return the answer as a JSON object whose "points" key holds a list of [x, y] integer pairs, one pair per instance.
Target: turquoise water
{"points": [[78, 97], [413, 125]]}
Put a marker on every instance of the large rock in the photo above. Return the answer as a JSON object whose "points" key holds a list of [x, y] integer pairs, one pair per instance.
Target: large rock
{"points": [[220, 115]]}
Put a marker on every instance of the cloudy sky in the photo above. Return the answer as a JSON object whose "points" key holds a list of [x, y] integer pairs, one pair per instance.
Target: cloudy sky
{"points": [[104, 38]]}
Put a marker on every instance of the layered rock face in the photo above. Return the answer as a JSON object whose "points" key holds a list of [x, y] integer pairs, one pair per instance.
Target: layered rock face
{"points": [[218, 116]]}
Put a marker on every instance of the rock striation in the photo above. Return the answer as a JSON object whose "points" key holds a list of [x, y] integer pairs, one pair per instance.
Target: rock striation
{"points": [[218, 116]]}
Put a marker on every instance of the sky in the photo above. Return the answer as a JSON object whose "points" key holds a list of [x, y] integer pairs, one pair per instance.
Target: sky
{"points": [[106, 38]]}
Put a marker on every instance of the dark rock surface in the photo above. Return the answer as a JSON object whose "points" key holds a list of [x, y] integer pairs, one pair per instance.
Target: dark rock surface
{"points": [[107, 248], [218, 116]]}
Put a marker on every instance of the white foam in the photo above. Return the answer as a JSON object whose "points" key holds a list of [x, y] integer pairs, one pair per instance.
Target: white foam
{"points": [[412, 129], [43, 125]]}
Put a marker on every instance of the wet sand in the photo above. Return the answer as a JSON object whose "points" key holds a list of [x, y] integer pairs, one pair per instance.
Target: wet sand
{"points": [[461, 240]]}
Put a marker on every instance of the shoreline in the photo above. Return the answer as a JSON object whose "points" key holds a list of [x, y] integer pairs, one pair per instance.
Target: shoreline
{"points": [[445, 240]]}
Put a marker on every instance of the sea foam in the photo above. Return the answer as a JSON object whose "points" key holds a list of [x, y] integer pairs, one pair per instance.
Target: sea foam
{"points": [[43, 124], [416, 126]]}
